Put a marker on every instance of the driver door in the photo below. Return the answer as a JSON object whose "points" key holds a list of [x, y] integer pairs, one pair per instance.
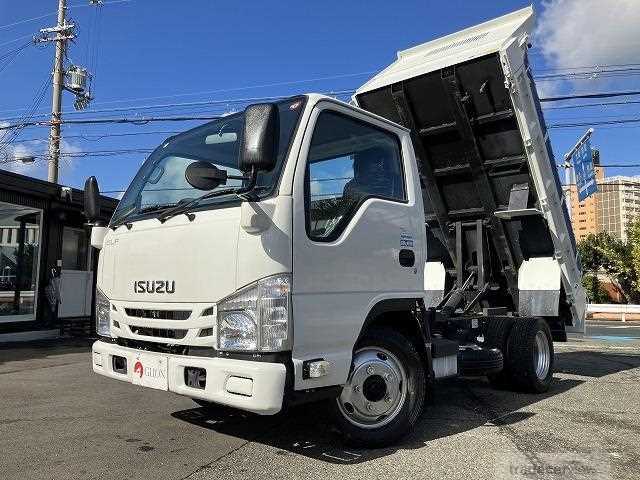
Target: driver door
{"points": [[357, 219]]}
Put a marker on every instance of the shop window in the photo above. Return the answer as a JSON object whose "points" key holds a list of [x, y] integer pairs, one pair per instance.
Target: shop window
{"points": [[19, 259]]}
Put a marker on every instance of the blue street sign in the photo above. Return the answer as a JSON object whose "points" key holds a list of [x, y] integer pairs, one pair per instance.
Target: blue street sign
{"points": [[583, 168]]}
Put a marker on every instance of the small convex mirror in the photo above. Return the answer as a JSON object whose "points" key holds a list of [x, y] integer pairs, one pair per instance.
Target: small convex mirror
{"points": [[205, 176]]}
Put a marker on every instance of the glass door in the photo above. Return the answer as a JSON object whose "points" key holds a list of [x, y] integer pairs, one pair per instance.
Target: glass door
{"points": [[76, 277]]}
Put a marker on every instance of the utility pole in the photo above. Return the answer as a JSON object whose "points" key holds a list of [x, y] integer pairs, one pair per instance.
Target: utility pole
{"points": [[77, 81], [62, 35]]}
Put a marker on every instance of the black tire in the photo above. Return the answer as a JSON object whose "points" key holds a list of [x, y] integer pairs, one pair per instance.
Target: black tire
{"points": [[497, 336], [408, 411], [479, 362], [523, 354]]}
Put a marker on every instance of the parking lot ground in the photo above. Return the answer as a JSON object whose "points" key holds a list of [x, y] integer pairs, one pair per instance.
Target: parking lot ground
{"points": [[60, 421]]}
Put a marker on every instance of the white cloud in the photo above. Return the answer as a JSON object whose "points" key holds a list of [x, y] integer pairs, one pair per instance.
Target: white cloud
{"points": [[575, 33], [35, 148]]}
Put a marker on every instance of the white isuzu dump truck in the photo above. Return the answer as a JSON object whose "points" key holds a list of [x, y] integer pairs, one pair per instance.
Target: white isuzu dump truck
{"points": [[310, 249]]}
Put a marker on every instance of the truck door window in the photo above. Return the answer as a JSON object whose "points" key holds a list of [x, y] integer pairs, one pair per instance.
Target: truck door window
{"points": [[349, 162]]}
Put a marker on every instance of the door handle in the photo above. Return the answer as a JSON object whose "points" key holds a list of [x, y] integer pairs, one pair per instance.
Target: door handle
{"points": [[407, 257]]}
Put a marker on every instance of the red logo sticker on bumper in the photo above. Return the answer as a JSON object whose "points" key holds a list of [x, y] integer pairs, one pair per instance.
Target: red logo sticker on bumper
{"points": [[138, 368]]}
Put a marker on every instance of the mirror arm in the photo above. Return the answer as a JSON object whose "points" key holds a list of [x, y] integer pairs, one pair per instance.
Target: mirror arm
{"points": [[245, 192]]}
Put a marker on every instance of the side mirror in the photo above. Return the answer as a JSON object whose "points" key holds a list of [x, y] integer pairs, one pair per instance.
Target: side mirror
{"points": [[91, 199], [259, 149], [205, 176]]}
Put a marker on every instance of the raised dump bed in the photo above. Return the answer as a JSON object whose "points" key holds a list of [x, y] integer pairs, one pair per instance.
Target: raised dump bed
{"points": [[494, 205]]}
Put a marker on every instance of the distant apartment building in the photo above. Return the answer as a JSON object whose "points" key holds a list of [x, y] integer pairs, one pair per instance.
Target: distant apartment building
{"points": [[611, 209], [617, 204]]}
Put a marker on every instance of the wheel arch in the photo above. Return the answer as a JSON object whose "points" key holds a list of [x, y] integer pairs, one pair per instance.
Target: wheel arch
{"points": [[404, 315]]}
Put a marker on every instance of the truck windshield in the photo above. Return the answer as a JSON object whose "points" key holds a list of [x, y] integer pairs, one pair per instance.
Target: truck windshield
{"points": [[160, 183]]}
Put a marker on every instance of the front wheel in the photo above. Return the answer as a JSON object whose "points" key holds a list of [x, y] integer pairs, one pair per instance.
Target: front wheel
{"points": [[384, 393]]}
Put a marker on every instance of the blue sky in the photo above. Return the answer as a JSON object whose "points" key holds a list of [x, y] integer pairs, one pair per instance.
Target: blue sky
{"points": [[159, 52]]}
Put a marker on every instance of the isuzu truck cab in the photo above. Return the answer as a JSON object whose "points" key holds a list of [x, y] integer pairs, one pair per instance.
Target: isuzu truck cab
{"points": [[309, 249]]}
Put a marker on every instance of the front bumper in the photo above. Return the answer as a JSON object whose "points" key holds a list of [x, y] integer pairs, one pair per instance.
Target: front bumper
{"points": [[252, 386]]}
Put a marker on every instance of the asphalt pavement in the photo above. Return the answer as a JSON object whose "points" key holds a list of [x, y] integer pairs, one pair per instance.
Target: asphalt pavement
{"points": [[60, 421]]}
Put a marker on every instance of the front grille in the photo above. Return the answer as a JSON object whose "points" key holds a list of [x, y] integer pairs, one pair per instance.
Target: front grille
{"points": [[158, 314], [153, 346], [177, 334]]}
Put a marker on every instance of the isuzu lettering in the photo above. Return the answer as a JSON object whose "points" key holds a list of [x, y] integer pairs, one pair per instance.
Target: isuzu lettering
{"points": [[309, 249]]}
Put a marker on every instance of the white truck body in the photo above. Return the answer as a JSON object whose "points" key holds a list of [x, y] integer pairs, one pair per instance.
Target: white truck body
{"points": [[162, 283], [336, 284]]}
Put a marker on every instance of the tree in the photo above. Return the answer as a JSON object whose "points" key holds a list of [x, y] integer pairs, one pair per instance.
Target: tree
{"points": [[595, 292], [605, 253], [633, 239]]}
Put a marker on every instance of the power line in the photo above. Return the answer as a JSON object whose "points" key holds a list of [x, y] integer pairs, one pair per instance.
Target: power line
{"points": [[146, 120], [113, 2], [26, 20], [589, 75], [610, 184], [251, 87], [10, 57], [7, 140], [45, 156], [98, 137], [587, 105], [92, 121], [620, 165], [590, 124], [590, 67], [590, 95], [272, 85], [12, 52], [51, 14], [232, 101], [173, 105], [16, 40]]}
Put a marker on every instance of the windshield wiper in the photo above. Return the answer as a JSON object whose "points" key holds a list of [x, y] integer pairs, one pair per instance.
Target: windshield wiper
{"points": [[245, 193], [184, 206], [148, 209]]}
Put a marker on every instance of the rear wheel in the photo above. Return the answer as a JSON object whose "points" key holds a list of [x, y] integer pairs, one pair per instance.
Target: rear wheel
{"points": [[497, 336], [530, 355], [384, 393]]}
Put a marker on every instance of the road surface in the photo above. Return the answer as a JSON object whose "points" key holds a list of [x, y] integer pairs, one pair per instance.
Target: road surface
{"points": [[60, 421]]}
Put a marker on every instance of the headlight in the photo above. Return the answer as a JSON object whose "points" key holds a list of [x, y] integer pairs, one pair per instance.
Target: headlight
{"points": [[237, 331], [257, 317], [102, 314]]}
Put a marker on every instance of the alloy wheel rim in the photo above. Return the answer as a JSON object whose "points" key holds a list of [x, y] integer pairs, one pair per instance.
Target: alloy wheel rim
{"points": [[542, 356]]}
